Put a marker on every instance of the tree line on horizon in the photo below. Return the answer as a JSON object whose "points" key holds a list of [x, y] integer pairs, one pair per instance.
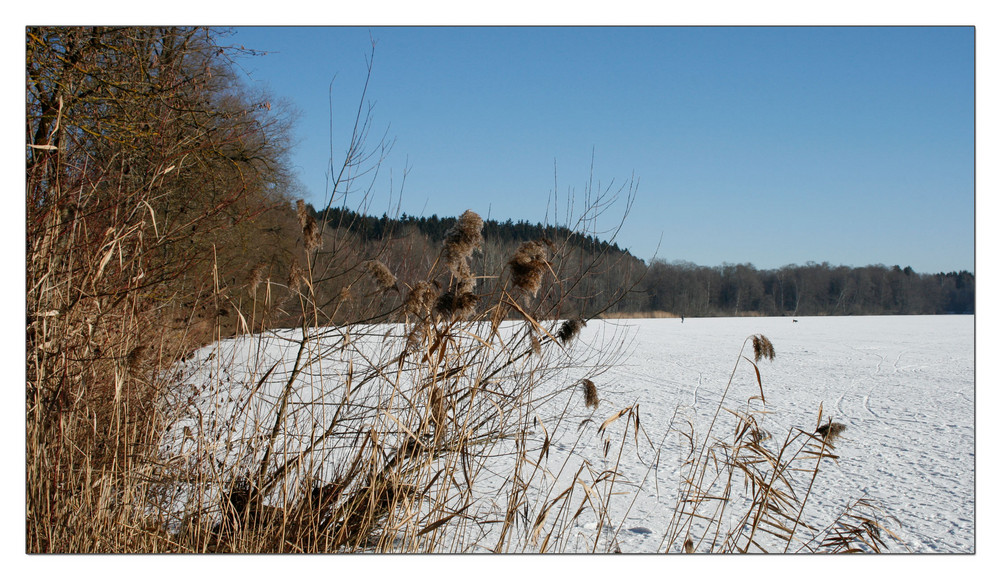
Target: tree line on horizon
{"points": [[683, 288], [811, 289]]}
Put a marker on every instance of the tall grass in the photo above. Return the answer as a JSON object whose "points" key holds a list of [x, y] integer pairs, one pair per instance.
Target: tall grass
{"points": [[427, 434], [165, 412], [426, 427], [423, 424], [745, 490]]}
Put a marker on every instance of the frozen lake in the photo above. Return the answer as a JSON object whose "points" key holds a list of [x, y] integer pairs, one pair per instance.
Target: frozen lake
{"points": [[904, 386]]}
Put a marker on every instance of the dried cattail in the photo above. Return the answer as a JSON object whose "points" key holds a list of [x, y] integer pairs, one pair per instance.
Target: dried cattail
{"points": [[461, 240], [689, 546], [590, 393], [381, 274], [528, 266], [831, 430], [569, 330], [762, 348], [420, 299]]}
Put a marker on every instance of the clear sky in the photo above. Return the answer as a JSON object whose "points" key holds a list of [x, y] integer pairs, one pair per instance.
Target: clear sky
{"points": [[768, 145]]}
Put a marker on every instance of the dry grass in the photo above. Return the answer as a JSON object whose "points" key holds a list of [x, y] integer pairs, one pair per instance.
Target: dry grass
{"points": [[777, 480], [431, 437], [405, 462]]}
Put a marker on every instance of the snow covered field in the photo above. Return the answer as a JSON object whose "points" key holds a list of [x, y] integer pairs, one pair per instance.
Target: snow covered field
{"points": [[903, 386]]}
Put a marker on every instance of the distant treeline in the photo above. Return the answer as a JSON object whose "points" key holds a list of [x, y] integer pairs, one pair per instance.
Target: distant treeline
{"points": [[679, 288], [811, 289]]}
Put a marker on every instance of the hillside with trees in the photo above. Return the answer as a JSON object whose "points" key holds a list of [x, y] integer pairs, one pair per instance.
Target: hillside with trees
{"points": [[678, 288]]}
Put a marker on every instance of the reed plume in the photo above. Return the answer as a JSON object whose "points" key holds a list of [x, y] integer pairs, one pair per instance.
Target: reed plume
{"points": [[762, 348], [831, 430], [461, 240], [256, 277], [536, 346], [420, 299], [381, 274], [296, 276], [311, 236], [569, 330], [590, 393], [528, 265], [456, 305]]}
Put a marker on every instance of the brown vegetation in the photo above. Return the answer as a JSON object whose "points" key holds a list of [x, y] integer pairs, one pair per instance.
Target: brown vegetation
{"points": [[153, 228]]}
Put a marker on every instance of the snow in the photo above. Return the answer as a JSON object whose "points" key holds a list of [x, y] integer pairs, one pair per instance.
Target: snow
{"points": [[903, 386]]}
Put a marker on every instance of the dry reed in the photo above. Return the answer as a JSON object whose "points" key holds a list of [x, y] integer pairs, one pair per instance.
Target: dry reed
{"points": [[778, 484], [381, 274], [312, 238], [529, 264], [569, 330], [831, 430], [762, 348], [590, 393], [420, 299], [461, 240]]}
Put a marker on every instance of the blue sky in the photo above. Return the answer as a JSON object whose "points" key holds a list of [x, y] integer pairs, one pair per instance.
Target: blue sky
{"points": [[772, 146]]}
